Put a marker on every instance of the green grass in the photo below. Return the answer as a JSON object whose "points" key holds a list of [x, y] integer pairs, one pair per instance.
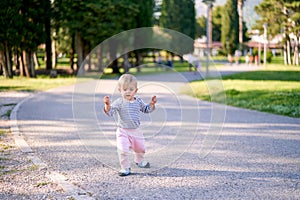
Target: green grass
{"points": [[33, 84], [2, 132], [43, 82], [275, 89], [7, 114], [41, 184]]}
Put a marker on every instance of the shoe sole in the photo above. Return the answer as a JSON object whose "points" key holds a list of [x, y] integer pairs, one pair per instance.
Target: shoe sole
{"points": [[122, 174], [146, 166]]}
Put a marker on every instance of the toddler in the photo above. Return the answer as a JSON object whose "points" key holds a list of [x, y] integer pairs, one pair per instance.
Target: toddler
{"points": [[127, 110]]}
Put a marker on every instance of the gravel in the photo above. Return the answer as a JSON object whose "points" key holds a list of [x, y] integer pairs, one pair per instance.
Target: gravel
{"points": [[20, 178]]}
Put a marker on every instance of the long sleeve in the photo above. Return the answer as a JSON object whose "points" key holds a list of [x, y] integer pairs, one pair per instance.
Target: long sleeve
{"points": [[145, 108], [114, 107], [127, 114]]}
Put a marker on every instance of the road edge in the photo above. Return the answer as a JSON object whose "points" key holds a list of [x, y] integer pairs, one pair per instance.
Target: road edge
{"points": [[59, 179]]}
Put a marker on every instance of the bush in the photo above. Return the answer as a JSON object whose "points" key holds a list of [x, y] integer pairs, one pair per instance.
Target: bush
{"points": [[222, 52], [269, 56]]}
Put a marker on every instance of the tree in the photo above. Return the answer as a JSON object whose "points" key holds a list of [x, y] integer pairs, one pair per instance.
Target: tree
{"points": [[216, 24], [48, 41], [74, 24], [209, 24], [179, 15], [166, 19], [188, 19], [144, 18], [200, 26], [33, 34], [22, 24], [282, 17], [157, 11], [230, 27], [91, 22], [10, 36], [294, 7], [241, 24]]}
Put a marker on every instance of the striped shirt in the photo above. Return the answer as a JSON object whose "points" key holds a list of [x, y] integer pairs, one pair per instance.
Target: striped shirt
{"points": [[128, 113]]}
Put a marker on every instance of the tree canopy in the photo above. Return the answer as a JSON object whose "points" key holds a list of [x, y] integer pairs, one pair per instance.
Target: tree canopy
{"points": [[179, 15], [282, 17], [230, 27], [71, 24]]}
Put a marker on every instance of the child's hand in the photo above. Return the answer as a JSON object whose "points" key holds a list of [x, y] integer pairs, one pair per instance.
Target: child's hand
{"points": [[106, 100], [107, 104], [153, 101]]}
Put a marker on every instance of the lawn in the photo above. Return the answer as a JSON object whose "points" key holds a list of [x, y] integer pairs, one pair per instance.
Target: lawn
{"points": [[34, 84], [43, 82], [276, 89]]}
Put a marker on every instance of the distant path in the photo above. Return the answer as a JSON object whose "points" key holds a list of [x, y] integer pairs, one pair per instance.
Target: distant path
{"points": [[257, 156], [222, 70]]}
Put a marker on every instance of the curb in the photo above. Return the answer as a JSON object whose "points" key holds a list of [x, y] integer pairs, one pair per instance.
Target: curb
{"points": [[72, 190]]}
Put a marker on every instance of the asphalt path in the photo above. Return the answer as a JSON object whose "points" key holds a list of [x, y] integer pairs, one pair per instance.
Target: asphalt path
{"points": [[197, 150]]}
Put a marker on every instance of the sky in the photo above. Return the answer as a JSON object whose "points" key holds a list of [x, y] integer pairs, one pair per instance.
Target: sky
{"points": [[201, 7], [248, 10]]}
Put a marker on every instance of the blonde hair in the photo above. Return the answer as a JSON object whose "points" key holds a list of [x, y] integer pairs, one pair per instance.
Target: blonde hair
{"points": [[126, 79]]}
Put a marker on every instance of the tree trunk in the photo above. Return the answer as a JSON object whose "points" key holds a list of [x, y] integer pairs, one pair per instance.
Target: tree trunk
{"points": [[138, 58], [72, 50], [285, 54], [126, 64], [48, 36], [35, 59], [88, 63], [210, 29], [7, 62], [113, 56], [16, 61], [1, 62], [21, 62], [100, 58], [86, 56], [115, 67], [288, 51], [240, 11], [32, 66], [25, 63], [79, 50], [296, 52], [30, 63], [54, 57]]}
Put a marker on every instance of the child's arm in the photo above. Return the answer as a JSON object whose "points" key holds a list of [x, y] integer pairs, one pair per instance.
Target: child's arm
{"points": [[153, 102], [147, 108], [106, 104]]}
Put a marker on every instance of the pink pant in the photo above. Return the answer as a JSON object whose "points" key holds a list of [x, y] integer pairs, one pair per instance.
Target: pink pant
{"points": [[130, 139]]}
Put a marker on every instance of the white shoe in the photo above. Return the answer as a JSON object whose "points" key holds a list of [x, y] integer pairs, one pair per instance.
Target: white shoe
{"points": [[143, 164], [124, 172]]}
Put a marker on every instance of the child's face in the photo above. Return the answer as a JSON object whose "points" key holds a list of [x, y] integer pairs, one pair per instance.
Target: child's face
{"points": [[128, 91]]}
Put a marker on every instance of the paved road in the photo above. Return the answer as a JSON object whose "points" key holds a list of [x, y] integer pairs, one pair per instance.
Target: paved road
{"points": [[198, 150]]}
